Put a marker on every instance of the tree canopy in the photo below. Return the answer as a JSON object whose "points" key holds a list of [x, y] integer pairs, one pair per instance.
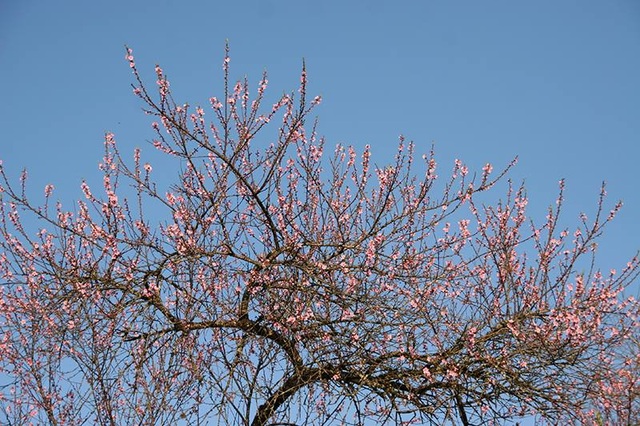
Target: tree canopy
{"points": [[282, 281]]}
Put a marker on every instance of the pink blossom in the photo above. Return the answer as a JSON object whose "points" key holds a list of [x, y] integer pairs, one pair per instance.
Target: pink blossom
{"points": [[48, 189]]}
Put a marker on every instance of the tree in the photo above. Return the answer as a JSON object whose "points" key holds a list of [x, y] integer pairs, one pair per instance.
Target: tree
{"points": [[276, 283]]}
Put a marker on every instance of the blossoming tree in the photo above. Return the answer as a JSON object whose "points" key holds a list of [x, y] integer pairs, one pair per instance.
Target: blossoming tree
{"points": [[279, 282]]}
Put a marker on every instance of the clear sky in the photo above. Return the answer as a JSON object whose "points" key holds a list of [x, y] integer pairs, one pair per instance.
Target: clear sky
{"points": [[555, 82]]}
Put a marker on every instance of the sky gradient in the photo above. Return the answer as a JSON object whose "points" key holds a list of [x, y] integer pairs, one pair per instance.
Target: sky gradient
{"points": [[555, 83]]}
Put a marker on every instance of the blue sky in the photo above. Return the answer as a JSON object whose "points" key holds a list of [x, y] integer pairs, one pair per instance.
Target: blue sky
{"points": [[555, 83]]}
